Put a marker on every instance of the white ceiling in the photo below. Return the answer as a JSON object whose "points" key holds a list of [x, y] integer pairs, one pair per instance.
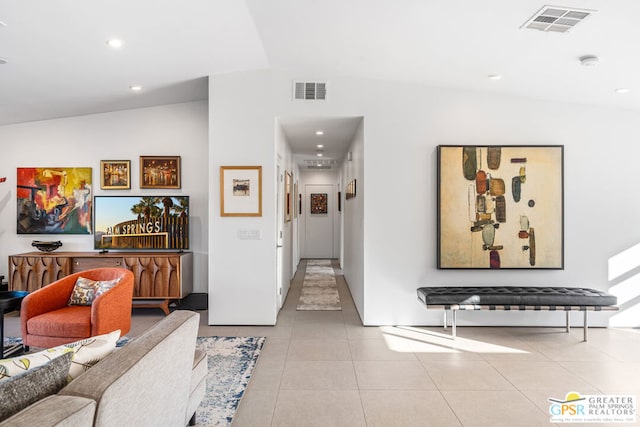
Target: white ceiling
{"points": [[59, 65], [337, 135]]}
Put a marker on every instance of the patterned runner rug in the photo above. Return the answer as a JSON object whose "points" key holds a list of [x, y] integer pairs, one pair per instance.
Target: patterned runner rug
{"points": [[231, 361], [319, 289]]}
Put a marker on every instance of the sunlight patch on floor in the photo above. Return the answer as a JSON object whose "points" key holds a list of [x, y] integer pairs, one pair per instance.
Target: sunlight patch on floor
{"points": [[407, 339]]}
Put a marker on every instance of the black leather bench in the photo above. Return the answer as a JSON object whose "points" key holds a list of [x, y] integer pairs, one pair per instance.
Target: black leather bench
{"points": [[538, 298]]}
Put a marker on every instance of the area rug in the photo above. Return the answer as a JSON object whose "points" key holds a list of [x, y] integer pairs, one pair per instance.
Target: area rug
{"points": [[319, 289], [231, 361]]}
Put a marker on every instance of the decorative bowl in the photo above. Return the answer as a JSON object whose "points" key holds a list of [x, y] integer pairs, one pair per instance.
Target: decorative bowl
{"points": [[46, 246]]}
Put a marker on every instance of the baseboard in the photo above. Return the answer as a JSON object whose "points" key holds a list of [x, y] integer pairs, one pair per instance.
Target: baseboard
{"points": [[195, 301]]}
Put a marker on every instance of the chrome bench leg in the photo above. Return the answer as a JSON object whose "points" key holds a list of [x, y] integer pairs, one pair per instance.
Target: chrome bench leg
{"points": [[445, 318], [453, 323], [568, 320], [585, 326]]}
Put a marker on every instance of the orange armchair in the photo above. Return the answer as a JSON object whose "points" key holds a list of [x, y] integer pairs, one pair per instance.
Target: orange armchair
{"points": [[47, 320]]}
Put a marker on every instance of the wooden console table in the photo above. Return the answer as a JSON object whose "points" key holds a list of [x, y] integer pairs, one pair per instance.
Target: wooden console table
{"points": [[160, 277]]}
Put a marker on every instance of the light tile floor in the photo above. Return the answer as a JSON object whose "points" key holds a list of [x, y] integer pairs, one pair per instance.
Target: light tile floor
{"points": [[323, 368]]}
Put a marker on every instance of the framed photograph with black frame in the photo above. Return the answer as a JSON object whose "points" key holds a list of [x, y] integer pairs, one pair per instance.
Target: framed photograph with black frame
{"points": [[240, 190], [501, 207], [288, 197], [295, 191], [319, 203]]}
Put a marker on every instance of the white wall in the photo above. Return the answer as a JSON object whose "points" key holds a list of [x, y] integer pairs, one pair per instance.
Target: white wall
{"points": [[242, 273], [353, 221], [404, 125], [289, 240], [177, 129]]}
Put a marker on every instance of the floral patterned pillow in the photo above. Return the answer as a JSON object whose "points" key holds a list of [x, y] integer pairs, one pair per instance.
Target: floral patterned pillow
{"points": [[86, 353], [87, 290], [103, 286], [83, 292]]}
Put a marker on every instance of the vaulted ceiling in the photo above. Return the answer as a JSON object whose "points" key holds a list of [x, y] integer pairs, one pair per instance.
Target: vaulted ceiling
{"points": [[57, 62]]}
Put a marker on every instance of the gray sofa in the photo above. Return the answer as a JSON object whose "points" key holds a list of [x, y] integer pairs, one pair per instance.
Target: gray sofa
{"points": [[157, 379]]}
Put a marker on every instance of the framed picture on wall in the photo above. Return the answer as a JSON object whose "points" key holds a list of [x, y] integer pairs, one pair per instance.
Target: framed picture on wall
{"points": [[54, 200], [240, 190], [160, 172], [295, 191], [287, 196], [115, 174], [501, 207], [350, 192], [318, 203]]}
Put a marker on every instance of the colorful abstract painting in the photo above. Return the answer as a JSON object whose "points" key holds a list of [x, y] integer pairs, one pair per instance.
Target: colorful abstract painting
{"points": [[54, 201], [500, 207]]}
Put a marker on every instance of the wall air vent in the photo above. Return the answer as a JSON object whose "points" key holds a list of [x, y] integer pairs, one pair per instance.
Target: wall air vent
{"points": [[557, 19], [310, 91]]}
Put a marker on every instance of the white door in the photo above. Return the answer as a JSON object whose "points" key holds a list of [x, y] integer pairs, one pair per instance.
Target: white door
{"points": [[319, 229]]}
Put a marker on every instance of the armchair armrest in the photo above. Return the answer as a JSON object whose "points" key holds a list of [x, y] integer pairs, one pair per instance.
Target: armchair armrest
{"points": [[112, 309]]}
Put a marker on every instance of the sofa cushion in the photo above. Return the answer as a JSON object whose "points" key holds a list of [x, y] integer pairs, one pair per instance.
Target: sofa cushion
{"points": [[85, 353], [18, 365], [22, 390], [152, 371], [71, 321], [198, 386]]}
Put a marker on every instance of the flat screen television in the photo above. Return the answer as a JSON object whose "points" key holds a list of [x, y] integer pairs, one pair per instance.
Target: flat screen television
{"points": [[141, 222]]}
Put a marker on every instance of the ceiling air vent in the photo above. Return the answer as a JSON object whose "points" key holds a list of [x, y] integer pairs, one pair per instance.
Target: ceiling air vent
{"points": [[557, 18], [310, 91], [320, 164]]}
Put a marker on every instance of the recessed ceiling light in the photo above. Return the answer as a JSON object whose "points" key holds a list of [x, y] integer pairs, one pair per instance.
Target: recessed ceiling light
{"points": [[115, 43], [494, 76], [135, 88], [320, 146], [319, 154], [3, 61], [2, 24], [622, 90], [319, 132]]}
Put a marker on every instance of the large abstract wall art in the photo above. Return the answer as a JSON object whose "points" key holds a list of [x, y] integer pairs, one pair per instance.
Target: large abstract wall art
{"points": [[500, 207], [54, 201]]}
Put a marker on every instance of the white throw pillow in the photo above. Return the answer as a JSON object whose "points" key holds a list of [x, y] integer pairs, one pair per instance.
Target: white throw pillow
{"points": [[87, 352]]}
